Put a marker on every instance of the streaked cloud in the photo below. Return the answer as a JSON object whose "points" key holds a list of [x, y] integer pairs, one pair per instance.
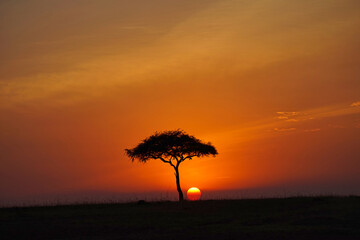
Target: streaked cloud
{"points": [[284, 129], [312, 130], [355, 104], [288, 116]]}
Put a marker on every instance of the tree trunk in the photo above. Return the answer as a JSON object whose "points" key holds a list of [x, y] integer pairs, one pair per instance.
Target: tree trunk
{"points": [[181, 196]]}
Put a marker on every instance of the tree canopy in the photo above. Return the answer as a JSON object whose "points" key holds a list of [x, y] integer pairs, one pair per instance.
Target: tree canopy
{"points": [[172, 147], [175, 145]]}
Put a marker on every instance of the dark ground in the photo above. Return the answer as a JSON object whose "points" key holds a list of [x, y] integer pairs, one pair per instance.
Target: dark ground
{"points": [[288, 218]]}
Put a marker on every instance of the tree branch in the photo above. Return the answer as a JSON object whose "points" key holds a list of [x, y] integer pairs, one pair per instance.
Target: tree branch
{"points": [[169, 162], [179, 161], [174, 156], [188, 157], [162, 159]]}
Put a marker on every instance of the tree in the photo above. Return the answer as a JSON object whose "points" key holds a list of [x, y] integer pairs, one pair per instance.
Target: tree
{"points": [[172, 147]]}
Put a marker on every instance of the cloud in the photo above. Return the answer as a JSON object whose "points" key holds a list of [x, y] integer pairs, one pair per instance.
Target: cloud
{"points": [[293, 116], [321, 112], [355, 104], [284, 129], [288, 113], [288, 116], [312, 130], [292, 120]]}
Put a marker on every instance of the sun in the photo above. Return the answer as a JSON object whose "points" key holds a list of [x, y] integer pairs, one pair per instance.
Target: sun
{"points": [[193, 194]]}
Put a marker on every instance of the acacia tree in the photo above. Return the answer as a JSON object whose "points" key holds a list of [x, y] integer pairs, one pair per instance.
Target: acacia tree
{"points": [[171, 147]]}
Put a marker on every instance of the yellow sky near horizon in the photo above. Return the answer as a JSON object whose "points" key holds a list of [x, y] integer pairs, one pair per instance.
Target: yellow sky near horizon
{"points": [[274, 84]]}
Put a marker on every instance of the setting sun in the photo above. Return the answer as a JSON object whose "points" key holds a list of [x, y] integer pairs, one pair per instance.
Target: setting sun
{"points": [[193, 194]]}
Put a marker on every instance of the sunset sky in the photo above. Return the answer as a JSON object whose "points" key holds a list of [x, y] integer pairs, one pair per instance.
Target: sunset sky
{"points": [[274, 85]]}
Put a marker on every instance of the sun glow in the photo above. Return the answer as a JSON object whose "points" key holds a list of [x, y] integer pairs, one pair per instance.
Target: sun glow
{"points": [[193, 194]]}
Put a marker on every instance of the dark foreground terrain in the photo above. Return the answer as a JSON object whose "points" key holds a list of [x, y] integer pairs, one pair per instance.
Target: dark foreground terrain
{"points": [[289, 218]]}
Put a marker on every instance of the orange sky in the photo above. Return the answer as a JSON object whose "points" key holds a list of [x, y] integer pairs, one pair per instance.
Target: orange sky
{"points": [[273, 84]]}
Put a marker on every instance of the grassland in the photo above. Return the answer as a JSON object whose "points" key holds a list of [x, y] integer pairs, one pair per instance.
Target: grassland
{"points": [[284, 218]]}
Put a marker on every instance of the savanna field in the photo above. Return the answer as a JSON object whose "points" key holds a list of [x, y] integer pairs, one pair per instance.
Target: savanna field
{"points": [[279, 218]]}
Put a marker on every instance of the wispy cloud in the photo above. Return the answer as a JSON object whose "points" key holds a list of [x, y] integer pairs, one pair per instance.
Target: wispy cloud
{"points": [[312, 130], [293, 116], [355, 104], [284, 129], [280, 124], [288, 116], [319, 113]]}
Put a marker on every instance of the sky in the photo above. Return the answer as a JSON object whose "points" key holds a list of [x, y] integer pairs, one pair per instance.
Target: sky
{"points": [[274, 85]]}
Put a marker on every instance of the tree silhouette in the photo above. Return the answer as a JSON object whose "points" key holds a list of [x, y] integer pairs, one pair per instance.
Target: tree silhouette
{"points": [[172, 147]]}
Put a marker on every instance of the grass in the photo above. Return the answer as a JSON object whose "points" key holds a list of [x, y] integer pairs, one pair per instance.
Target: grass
{"points": [[279, 218]]}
